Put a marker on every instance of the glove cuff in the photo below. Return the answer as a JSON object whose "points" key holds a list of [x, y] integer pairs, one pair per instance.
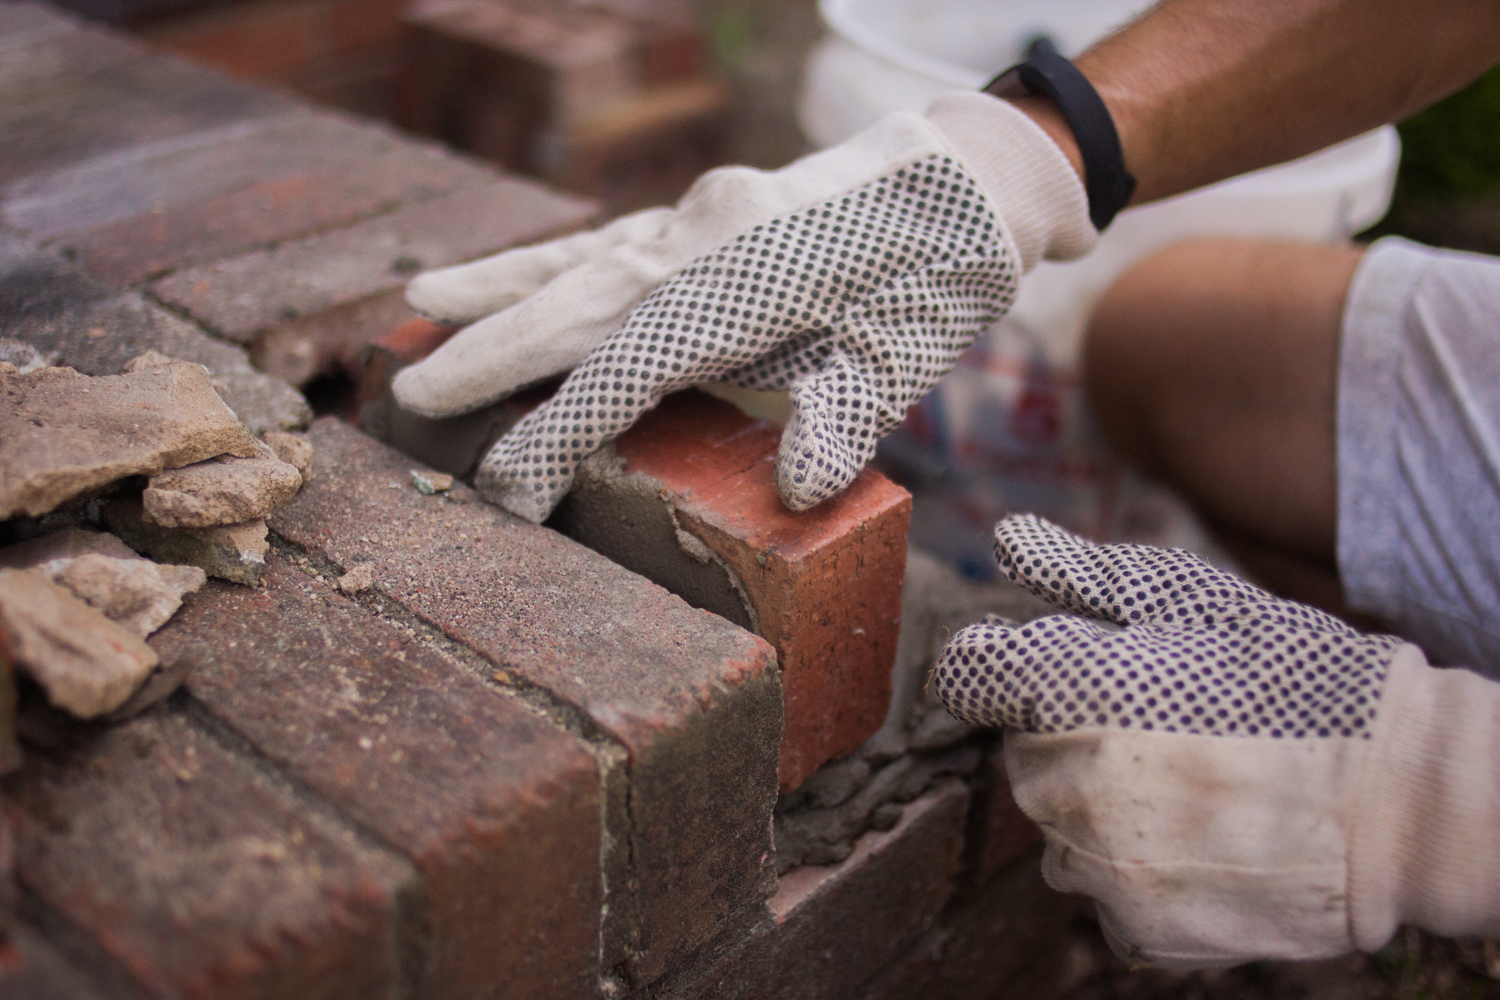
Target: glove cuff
{"points": [[1425, 845], [1035, 189]]}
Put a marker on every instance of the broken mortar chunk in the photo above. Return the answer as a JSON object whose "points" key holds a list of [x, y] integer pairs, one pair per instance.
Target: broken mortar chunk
{"points": [[87, 664], [67, 434], [233, 552], [358, 580], [223, 490], [428, 483], [294, 450]]}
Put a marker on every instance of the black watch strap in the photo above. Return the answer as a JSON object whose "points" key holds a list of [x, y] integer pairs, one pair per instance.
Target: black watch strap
{"points": [[1107, 182]]}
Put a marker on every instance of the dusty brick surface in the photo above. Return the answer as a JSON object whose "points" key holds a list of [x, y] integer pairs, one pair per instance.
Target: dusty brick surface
{"points": [[96, 329], [218, 192], [832, 926], [199, 877], [694, 700], [243, 296], [32, 969], [825, 585], [1007, 832], [1007, 938], [31, 23], [83, 94], [497, 807]]}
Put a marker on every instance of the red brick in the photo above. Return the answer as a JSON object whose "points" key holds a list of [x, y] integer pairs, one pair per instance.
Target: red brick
{"points": [[359, 25], [84, 94], [219, 192], [199, 876], [1008, 938], [243, 296], [32, 969], [645, 149], [1007, 832], [832, 927], [694, 701], [265, 41], [825, 584], [334, 341], [498, 808]]}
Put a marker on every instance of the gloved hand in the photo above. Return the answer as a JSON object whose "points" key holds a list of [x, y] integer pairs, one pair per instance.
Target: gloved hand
{"points": [[855, 277], [1229, 775]]}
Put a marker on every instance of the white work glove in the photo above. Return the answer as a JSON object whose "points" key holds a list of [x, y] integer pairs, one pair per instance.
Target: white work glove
{"points": [[1232, 776], [854, 277]]}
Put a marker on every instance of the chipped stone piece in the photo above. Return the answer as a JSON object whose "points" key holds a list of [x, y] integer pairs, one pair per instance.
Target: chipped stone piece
{"points": [[150, 359], [103, 572], [294, 450], [137, 593], [358, 580], [67, 434], [233, 552], [223, 490], [428, 483], [86, 664]]}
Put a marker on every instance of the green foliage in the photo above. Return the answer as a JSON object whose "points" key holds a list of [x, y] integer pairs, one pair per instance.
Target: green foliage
{"points": [[1451, 151]]}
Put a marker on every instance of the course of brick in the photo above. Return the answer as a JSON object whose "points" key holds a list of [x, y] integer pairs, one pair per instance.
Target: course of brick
{"points": [[505, 765]]}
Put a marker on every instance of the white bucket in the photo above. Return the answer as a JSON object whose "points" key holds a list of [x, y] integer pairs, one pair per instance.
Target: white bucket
{"points": [[888, 55]]}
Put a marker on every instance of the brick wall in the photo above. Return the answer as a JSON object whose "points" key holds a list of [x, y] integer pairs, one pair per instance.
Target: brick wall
{"points": [[509, 767]]}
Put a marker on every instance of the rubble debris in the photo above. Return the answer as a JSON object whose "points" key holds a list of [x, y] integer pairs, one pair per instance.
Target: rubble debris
{"points": [[147, 360], [67, 434], [24, 356], [103, 572], [225, 490], [233, 552], [428, 483], [293, 449], [359, 579], [86, 664]]}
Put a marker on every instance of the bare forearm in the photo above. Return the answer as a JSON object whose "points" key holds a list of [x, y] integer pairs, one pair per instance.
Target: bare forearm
{"points": [[1205, 89]]}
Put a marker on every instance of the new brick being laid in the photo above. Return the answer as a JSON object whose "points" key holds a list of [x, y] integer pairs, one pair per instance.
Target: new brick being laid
{"points": [[435, 750]]}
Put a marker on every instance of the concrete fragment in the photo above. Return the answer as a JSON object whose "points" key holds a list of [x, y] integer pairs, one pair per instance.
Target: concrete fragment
{"points": [[136, 593], [428, 483], [142, 362], [223, 490], [234, 552], [66, 434], [294, 450], [358, 580], [85, 663], [105, 573]]}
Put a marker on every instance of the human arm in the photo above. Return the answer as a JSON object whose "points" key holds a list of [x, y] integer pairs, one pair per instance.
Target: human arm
{"points": [[1202, 90]]}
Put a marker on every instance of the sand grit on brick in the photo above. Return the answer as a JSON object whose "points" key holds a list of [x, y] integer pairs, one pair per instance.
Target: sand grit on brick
{"points": [[497, 807]]}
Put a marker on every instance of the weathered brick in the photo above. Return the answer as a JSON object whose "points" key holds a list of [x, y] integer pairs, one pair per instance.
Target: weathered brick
{"points": [[31, 23], [695, 701], [198, 875], [1007, 938], [255, 41], [833, 926], [497, 807], [243, 296], [213, 193], [83, 94], [32, 969], [822, 586], [1007, 832], [96, 329]]}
